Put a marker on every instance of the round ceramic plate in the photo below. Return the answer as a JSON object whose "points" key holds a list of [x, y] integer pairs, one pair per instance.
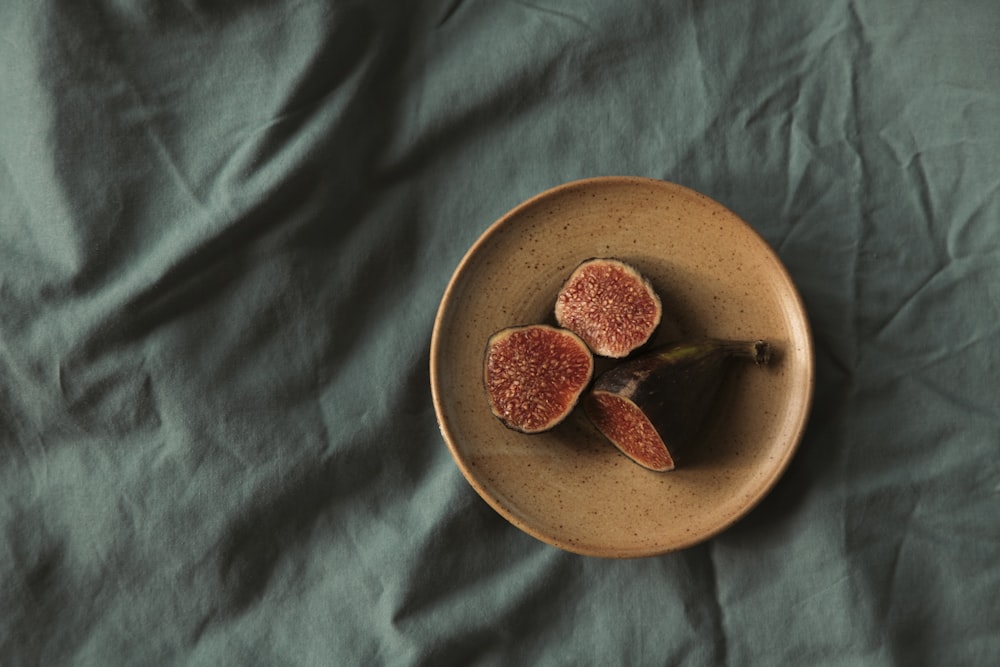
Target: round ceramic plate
{"points": [[716, 276]]}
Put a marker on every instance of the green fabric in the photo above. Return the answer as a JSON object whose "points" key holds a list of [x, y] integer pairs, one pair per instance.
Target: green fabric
{"points": [[224, 231]]}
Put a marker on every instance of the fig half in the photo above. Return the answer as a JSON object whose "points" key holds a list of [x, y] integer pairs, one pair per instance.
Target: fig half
{"points": [[610, 305], [535, 374], [653, 406]]}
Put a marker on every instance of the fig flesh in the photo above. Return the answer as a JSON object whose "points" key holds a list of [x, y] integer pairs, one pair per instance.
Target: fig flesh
{"points": [[610, 305], [652, 407], [535, 374]]}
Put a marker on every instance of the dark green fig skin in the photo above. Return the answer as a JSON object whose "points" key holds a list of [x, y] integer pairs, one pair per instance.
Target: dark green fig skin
{"points": [[675, 387]]}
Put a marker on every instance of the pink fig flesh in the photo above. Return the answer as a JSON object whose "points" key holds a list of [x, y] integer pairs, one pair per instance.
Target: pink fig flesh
{"points": [[629, 429], [610, 305], [534, 375]]}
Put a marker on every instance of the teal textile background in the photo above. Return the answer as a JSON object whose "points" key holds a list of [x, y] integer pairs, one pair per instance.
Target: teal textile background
{"points": [[224, 231]]}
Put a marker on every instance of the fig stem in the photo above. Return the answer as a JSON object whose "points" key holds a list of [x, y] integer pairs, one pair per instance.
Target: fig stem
{"points": [[758, 351], [761, 352]]}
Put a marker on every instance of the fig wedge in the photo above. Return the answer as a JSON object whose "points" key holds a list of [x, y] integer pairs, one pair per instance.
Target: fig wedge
{"points": [[652, 407], [535, 374]]}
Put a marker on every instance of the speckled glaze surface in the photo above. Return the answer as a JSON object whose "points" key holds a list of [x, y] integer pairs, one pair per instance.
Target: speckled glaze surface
{"points": [[716, 277]]}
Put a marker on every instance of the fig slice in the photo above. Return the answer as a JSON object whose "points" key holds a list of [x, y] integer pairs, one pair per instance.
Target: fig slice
{"points": [[610, 305], [653, 407], [535, 374]]}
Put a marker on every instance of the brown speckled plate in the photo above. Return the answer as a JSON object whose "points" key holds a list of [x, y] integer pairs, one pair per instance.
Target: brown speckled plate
{"points": [[716, 276]]}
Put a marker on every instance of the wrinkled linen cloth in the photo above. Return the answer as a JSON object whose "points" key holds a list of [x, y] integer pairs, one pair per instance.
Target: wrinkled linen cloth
{"points": [[225, 228]]}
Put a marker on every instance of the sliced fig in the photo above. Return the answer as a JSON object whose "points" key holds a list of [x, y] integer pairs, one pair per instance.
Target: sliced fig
{"points": [[652, 407], [535, 374], [610, 305]]}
